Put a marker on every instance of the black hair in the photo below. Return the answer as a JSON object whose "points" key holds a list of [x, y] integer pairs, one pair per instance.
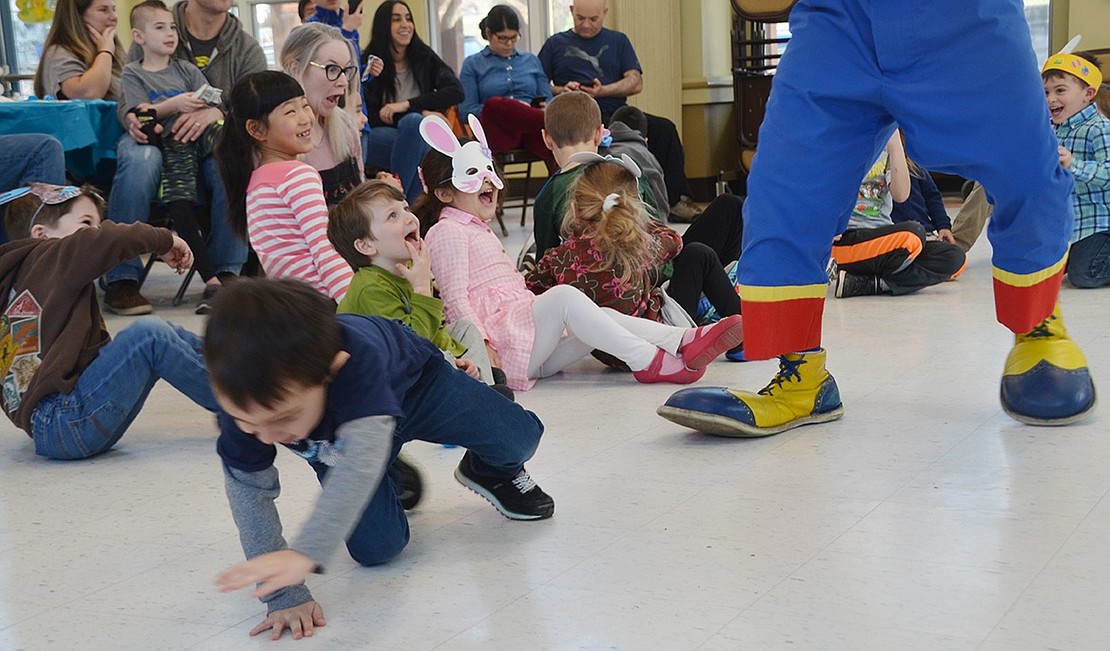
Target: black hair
{"points": [[382, 89], [499, 18], [265, 336], [253, 97], [632, 117]]}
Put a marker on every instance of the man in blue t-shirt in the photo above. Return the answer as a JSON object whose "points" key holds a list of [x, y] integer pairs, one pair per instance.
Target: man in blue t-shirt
{"points": [[603, 64], [344, 393]]}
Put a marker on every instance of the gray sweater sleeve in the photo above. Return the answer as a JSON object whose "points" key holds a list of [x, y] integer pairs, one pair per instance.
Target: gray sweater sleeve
{"points": [[367, 444], [348, 487], [251, 496]]}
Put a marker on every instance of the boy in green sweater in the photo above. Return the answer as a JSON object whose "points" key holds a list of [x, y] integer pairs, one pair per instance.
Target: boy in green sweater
{"points": [[374, 231]]}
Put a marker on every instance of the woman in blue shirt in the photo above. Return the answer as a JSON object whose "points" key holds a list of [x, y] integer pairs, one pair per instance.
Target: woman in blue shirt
{"points": [[506, 88]]}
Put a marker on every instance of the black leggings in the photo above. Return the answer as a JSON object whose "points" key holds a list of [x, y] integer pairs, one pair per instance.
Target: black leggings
{"points": [[713, 238]]}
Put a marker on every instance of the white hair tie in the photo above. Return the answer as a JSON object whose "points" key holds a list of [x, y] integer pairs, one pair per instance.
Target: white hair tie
{"points": [[611, 200]]}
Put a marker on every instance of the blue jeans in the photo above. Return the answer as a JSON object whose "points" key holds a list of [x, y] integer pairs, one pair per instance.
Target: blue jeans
{"points": [[138, 173], [29, 157], [400, 150], [446, 406], [1089, 261], [110, 392]]}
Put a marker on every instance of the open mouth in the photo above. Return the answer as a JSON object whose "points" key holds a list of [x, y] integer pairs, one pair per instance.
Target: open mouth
{"points": [[1056, 111], [412, 236], [487, 197], [307, 133]]}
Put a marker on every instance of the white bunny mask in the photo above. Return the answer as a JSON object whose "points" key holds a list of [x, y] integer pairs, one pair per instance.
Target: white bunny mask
{"points": [[472, 163]]}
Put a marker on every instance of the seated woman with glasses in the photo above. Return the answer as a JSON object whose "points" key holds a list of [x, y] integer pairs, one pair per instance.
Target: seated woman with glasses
{"points": [[413, 82], [505, 88], [323, 61]]}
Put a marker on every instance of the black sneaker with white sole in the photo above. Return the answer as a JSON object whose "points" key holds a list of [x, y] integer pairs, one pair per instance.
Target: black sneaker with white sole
{"points": [[517, 498]]}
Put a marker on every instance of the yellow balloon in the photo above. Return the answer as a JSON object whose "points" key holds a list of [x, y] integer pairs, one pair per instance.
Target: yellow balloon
{"points": [[34, 11]]}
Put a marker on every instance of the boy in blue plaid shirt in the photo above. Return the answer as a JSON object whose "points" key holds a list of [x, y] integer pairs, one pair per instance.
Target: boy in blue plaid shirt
{"points": [[1070, 83]]}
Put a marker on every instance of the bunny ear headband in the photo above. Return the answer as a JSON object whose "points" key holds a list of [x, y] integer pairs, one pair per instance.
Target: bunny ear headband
{"points": [[589, 158], [472, 163], [1065, 61]]}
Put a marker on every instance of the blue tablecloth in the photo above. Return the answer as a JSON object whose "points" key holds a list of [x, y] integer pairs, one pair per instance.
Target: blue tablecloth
{"points": [[87, 129]]}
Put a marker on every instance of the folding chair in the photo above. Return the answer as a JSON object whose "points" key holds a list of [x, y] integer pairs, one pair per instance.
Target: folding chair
{"points": [[516, 158], [755, 57]]}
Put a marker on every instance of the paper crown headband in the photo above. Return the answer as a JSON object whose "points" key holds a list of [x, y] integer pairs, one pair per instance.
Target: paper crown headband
{"points": [[471, 163], [1065, 61]]}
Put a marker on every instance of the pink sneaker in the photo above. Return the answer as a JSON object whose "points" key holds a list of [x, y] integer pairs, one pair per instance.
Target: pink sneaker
{"points": [[711, 341], [654, 372]]}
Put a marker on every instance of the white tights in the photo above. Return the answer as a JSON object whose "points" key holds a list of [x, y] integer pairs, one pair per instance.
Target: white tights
{"points": [[569, 325]]}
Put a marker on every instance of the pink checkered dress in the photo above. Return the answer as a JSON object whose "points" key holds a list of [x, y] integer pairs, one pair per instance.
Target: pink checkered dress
{"points": [[478, 282]]}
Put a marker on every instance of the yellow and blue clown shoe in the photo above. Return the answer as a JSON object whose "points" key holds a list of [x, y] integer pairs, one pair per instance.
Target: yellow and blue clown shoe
{"points": [[1046, 381], [802, 393]]}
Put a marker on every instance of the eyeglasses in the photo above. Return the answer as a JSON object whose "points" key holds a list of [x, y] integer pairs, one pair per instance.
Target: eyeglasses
{"points": [[507, 40], [332, 71]]}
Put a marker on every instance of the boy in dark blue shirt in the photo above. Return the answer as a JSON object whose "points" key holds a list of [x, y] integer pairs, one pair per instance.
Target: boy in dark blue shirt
{"points": [[345, 393]]}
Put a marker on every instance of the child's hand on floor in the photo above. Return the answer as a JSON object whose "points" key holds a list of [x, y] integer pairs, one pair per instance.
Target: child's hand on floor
{"points": [[298, 619], [945, 235], [274, 571], [180, 256], [468, 367], [420, 273]]}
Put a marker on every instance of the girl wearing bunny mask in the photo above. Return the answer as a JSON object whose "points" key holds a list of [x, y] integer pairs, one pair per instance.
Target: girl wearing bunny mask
{"points": [[531, 336]]}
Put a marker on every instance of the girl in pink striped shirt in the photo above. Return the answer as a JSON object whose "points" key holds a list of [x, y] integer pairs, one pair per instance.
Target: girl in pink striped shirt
{"points": [[531, 336], [282, 211]]}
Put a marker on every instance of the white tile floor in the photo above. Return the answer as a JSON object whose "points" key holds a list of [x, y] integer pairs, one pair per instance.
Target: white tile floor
{"points": [[924, 519]]}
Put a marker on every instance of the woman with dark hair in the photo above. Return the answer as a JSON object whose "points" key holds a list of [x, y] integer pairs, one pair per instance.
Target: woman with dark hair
{"points": [[506, 88], [413, 83]]}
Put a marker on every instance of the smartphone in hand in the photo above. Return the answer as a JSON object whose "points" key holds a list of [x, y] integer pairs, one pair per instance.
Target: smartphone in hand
{"points": [[538, 101], [353, 6]]}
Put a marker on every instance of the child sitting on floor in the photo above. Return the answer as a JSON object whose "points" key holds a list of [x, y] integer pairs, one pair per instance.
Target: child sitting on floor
{"points": [[619, 259], [376, 234], [345, 392], [875, 255], [69, 385], [282, 211], [534, 336]]}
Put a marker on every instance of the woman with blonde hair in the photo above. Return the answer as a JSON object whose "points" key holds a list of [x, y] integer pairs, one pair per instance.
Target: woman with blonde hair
{"points": [[82, 57], [326, 65]]}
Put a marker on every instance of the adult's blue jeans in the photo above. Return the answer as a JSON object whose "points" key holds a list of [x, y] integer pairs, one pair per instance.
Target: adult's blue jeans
{"points": [[138, 173], [29, 157], [399, 149], [1089, 261], [92, 417], [449, 407]]}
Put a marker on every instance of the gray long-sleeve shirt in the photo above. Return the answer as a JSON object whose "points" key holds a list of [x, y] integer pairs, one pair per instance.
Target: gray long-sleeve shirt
{"points": [[358, 469]]}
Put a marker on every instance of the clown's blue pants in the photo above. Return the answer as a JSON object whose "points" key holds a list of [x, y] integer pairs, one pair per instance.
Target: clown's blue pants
{"points": [[959, 77]]}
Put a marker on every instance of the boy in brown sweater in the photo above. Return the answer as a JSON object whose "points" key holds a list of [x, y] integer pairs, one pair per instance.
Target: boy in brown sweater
{"points": [[66, 383]]}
